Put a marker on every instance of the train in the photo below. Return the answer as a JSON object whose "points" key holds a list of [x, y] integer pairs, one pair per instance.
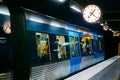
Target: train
{"points": [[57, 48]]}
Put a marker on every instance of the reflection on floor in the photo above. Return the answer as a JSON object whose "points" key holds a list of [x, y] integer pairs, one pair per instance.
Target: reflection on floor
{"points": [[113, 73], [106, 70]]}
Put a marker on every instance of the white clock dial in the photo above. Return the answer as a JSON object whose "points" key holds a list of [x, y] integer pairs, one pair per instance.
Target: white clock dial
{"points": [[7, 27], [92, 13]]}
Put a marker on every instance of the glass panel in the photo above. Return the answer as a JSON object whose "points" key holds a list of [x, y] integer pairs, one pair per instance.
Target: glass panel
{"points": [[100, 45], [95, 46], [84, 49], [72, 46], [43, 51], [87, 45], [81, 44], [61, 47], [90, 47], [77, 46]]}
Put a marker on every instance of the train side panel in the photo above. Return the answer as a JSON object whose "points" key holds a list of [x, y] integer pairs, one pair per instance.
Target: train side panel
{"points": [[56, 63]]}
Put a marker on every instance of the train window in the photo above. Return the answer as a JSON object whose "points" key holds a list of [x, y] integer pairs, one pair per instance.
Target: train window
{"points": [[77, 46], [81, 44], [84, 47], [61, 47], [95, 46], [87, 45], [43, 46], [100, 45], [72, 46], [90, 47]]}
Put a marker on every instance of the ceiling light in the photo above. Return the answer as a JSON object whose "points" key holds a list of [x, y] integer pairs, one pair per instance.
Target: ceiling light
{"points": [[4, 10], [61, 0], [74, 7], [101, 24]]}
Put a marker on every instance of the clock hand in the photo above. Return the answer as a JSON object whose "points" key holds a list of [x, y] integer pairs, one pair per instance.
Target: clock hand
{"points": [[94, 15], [91, 13]]}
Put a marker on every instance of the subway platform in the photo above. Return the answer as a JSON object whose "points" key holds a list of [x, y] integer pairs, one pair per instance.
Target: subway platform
{"points": [[106, 70]]}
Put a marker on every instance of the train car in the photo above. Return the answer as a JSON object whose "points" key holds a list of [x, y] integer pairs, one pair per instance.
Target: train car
{"points": [[57, 48]]}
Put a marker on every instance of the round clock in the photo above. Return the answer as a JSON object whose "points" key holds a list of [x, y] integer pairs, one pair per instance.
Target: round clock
{"points": [[92, 13], [6, 27]]}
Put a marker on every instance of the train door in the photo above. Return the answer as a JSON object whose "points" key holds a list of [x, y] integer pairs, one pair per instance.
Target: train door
{"points": [[101, 48], [95, 48], [75, 57]]}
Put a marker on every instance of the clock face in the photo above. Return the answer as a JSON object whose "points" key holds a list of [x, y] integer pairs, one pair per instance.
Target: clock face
{"points": [[92, 13], [6, 27]]}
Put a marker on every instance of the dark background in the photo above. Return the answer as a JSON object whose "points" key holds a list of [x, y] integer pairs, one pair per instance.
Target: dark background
{"points": [[110, 10]]}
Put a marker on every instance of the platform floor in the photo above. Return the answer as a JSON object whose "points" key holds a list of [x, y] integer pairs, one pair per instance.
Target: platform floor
{"points": [[114, 73], [106, 70]]}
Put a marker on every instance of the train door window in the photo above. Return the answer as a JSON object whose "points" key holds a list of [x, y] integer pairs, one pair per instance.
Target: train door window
{"points": [[87, 45], [77, 46], [61, 47], [90, 47], [100, 45], [95, 46], [72, 46], [43, 46], [83, 43]]}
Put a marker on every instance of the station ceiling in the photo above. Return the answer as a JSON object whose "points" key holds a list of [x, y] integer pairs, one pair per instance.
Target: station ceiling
{"points": [[110, 11]]}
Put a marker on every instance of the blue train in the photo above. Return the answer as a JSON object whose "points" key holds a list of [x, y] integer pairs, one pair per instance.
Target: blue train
{"points": [[57, 48]]}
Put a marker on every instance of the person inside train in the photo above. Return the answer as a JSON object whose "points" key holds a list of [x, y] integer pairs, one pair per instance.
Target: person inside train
{"points": [[84, 47], [46, 49], [45, 53]]}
